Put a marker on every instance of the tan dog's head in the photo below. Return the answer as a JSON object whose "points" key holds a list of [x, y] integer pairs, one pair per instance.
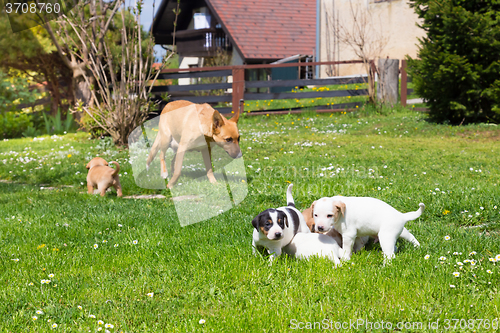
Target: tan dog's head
{"points": [[96, 161], [224, 132], [326, 212]]}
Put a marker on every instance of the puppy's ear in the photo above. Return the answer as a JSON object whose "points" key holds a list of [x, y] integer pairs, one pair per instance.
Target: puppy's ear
{"points": [[217, 120], [340, 206], [88, 165], [312, 209], [286, 221], [255, 222]]}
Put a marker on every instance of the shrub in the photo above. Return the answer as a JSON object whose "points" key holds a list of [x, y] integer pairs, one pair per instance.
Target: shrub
{"points": [[13, 124], [458, 73]]}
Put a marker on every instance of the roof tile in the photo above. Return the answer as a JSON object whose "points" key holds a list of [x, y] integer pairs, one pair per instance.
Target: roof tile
{"points": [[269, 29]]}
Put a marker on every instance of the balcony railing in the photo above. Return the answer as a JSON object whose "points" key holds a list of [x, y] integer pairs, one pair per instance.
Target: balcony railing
{"points": [[201, 42]]}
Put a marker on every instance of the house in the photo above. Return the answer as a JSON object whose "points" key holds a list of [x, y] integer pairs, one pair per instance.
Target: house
{"points": [[248, 31], [389, 28]]}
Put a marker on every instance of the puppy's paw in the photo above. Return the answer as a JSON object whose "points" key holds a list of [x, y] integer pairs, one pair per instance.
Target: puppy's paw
{"points": [[164, 174]]}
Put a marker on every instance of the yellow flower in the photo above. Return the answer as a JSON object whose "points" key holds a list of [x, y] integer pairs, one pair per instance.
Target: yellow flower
{"points": [[41, 246], [69, 155], [446, 212]]}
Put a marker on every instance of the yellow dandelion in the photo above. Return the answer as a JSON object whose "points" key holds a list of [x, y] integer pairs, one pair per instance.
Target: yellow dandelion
{"points": [[69, 155], [446, 212]]}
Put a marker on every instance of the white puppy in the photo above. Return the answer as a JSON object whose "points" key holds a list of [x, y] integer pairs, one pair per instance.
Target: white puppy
{"points": [[363, 216], [306, 245], [276, 227]]}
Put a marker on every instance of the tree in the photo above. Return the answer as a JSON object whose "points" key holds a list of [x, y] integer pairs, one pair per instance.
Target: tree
{"points": [[76, 51], [31, 53], [113, 75], [358, 32], [458, 73]]}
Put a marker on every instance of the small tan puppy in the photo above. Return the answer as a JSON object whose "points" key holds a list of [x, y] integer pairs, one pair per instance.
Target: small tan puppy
{"points": [[358, 243], [102, 176], [188, 126]]}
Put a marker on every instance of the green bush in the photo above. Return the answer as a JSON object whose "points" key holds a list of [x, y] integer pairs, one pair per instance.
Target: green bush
{"points": [[56, 125], [13, 124], [458, 73]]}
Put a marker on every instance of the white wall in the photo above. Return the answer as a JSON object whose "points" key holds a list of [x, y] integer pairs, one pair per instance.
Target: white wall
{"points": [[394, 20]]}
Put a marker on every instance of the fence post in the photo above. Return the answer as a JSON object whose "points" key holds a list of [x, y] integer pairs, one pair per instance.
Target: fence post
{"points": [[238, 86], [404, 83], [388, 81]]}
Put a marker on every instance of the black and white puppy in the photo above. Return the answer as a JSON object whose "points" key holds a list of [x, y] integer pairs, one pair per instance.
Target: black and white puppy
{"points": [[276, 227]]}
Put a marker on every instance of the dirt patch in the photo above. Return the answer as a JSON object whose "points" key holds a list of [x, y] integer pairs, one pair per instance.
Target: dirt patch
{"points": [[493, 135], [145, 196]]}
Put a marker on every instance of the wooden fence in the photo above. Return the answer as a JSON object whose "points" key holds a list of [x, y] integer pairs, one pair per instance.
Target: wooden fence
{"points": [[240, 86]]}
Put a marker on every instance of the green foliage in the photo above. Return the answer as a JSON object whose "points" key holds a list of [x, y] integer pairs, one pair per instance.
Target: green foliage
{"points": [[13, 91], [31, 132], [458, 73], [55, 124], [13, 124]]}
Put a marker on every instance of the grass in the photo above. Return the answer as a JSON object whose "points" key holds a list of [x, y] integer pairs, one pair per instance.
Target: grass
{"points": [[128, 262]]}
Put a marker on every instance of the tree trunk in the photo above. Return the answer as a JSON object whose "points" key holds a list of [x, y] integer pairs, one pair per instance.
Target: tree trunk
{"points": [[388, 81], [82, 90]]}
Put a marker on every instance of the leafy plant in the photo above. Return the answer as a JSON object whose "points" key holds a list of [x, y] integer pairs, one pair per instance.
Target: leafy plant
{"points": [[31, 132], [13, 91], [12, 124], [55, 124], [458, 73]]}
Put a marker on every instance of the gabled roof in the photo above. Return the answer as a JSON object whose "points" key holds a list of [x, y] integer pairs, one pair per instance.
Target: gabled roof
{"points": [[268, 29], [258, 29]]}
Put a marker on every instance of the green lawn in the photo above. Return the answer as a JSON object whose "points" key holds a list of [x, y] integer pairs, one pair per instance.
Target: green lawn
{"points": [[129, 263]]}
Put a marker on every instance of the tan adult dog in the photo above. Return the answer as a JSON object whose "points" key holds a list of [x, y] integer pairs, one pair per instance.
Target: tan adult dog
{"points": [[192, 126], [102, 176]]}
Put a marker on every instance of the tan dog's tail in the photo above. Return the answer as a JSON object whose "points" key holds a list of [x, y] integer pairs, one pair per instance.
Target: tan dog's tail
{"points": [[154, 150], [117, 168]]}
